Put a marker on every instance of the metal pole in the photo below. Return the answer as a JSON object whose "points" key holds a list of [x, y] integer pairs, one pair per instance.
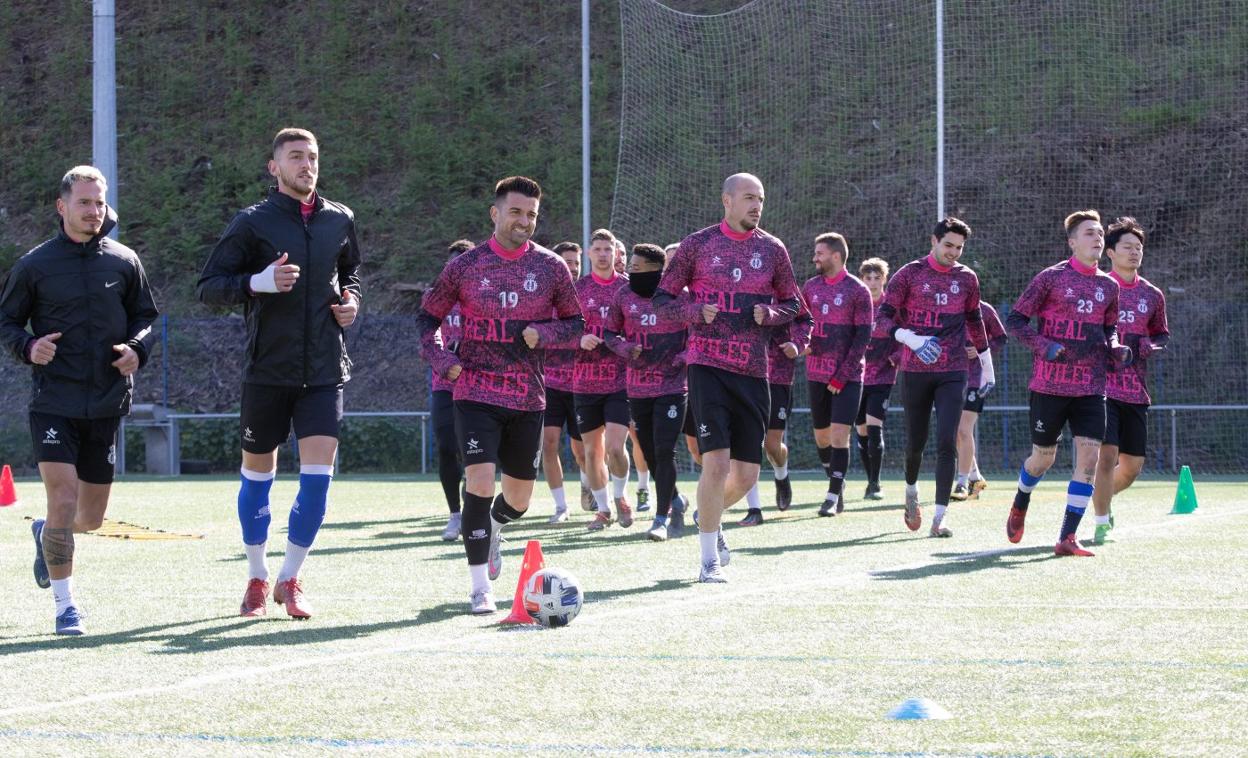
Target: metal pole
{"points": [[104, 98], [1174, 440], [940, 109], [585, 211]]}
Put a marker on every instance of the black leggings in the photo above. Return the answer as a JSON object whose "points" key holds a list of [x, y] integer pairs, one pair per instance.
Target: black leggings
{"points": [[660, 421], [920, 391], [450, 471]]}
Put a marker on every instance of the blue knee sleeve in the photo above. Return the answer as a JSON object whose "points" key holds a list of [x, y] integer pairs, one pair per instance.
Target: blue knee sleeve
{"points": [[309, 509], [253, 508]]}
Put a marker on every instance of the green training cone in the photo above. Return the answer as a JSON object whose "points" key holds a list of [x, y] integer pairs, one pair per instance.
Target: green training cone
{"points": [[1185, 497]]}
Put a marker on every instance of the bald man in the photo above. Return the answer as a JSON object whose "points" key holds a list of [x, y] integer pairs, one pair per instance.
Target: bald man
{"points": [[742, 284]]}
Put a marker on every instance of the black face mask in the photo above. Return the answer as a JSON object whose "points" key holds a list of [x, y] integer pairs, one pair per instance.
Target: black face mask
{"points": [[644, 283]]}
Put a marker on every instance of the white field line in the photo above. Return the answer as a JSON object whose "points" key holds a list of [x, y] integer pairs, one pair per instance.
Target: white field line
{"points": [[709, 595]]}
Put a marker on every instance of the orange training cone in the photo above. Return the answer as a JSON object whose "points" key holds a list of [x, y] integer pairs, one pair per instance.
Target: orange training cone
{"points": [[8, 496], [533, 563]]}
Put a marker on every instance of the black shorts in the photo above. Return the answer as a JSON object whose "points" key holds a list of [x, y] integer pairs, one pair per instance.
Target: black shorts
{"points": [[827, 408], [781, 406], [593, 411], [730, 411], [1049, 413], [510, 439], [442, 418], [874, 402], [561, 412], [974, 403], [1126, 427], [269, 412], [90, 444], [690, 428]]}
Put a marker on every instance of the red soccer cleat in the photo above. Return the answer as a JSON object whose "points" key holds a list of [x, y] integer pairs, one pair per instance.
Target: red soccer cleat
{"points": [[1014, 524], [1070, 546], [255, 598], [290, 594]]}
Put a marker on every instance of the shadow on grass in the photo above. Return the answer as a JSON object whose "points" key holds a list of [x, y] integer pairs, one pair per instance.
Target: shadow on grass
{"points": [[874, 539], [86, 642], [958, 564]]}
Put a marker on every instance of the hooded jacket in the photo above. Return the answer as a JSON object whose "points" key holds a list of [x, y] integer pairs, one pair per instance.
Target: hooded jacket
{"points": [[96, 294], [293, 339]]}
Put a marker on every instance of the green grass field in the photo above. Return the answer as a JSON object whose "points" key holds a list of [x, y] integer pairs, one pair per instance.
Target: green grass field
{"points": [[825, 626]]}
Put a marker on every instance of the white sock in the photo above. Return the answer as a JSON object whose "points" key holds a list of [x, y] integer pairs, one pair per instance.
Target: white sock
{"points": [[1102, 520], [782, 472], [940, 514], [584, 481], [295, 555], [962, 479], [480, 577], [557, 494], [618, 485], [912, 489], [643, 480], [975, 475], [63, 593], [255, 561], [709, 543], [600, 499], [751, 498]]}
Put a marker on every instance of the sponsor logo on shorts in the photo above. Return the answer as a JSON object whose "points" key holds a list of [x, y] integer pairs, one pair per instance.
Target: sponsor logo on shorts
{"points": [[671, 411], [1039, 425], [970, 396], [247, 435], [474, 445], [49, 437], [111, 284], [703, 431]]}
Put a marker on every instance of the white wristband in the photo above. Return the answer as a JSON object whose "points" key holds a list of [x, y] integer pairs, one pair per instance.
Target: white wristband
{"points": [[910, 339], [987, 374], [265, 280]]}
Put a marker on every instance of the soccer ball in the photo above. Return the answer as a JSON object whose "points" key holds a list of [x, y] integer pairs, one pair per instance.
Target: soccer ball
{"points": [[553, 597]]}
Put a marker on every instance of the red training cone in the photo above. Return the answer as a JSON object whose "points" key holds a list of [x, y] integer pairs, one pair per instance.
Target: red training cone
{"points": [[533, 563], [8, 495]]}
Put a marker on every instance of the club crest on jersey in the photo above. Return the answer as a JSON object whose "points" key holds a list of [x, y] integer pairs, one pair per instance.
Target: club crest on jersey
{"points": [[756, 262], [530, 282], [671, 411], [485, 283], [1142, 307], [953, 288], [838, 300], [1100, 295]]}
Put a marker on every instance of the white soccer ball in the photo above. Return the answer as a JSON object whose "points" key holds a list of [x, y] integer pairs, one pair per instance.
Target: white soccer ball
{"points": [[553, 597]]}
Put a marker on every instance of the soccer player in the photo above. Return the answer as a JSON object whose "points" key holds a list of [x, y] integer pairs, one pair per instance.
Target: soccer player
{"points": [[639, 458], [560, 411], [743, 278], [508, 288], [89, 305], [652, 341], [970, 483], [877, 381], [292, 262], [442, 412], [691, 439], [1142, 325], [841, 307], [931, 306], [787, 344], [1076, 305], [599, 386]]}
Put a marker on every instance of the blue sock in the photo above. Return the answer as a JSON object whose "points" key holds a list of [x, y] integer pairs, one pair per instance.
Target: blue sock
{"points": [[253, 505], [1026, 483], [1077, 496], [308, 511]]}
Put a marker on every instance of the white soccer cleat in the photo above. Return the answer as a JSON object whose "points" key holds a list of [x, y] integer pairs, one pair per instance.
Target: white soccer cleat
{"points": [[712, 573], [451, 532], [482, 602], [496, 553], [657, 531], [559, 516]]}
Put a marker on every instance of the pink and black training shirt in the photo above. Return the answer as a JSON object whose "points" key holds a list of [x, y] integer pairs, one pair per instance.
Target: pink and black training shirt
{"points": [[883, 354], [1075, 306], [448, 339], [734, 271], [500, 292], [634, 320], [1141, 316], [841, 308], [598, 371], [938, 301]]}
